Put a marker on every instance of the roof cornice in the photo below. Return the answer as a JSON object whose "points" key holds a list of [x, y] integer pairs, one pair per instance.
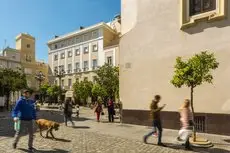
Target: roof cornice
{"points": [[79, 32]]}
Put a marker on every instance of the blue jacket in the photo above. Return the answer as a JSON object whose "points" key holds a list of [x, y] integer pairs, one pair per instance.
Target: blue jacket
{"points": [[24, 109]]}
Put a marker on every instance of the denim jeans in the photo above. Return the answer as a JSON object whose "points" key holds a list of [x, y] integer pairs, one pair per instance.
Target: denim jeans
{"points": [[68, 117], [156, 125]]}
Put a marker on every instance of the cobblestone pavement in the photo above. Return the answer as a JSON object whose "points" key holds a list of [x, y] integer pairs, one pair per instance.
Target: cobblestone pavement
{"points": [[89, 136]]}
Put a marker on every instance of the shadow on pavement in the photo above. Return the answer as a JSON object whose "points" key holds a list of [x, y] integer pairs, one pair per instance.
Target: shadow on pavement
{"points": [[195, 149], [46, 151], [59, 139], [81, 127], [211, 150], [110, 122]]}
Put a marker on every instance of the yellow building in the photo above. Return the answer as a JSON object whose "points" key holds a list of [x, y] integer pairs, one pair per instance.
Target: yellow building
{"points": [[25, 44]]}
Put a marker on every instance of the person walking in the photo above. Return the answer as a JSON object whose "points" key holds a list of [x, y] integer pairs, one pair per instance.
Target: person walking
{"points": [[68, 111], [77, 111], [111, 111], [24, 113], [187, 123], [98, 110], [156, 120]]}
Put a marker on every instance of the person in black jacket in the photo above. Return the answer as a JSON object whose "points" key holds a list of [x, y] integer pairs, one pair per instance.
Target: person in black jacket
{"points": [[68, 112], [111, 110]]}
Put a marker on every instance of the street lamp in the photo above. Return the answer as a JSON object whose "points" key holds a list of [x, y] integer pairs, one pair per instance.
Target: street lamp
{"points": [[59, 74], [40, 77]]}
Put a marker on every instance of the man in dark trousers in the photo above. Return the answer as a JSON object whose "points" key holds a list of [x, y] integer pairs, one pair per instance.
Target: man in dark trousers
{"points": [[111, 111], [155, 114], [26, 113], [68, 112]]}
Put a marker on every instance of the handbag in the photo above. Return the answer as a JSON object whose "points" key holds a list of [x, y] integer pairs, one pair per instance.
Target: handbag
{"points": [[191, 123]]}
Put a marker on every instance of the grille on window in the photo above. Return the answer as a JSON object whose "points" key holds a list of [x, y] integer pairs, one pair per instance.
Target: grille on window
{"points": [[200, 123]]}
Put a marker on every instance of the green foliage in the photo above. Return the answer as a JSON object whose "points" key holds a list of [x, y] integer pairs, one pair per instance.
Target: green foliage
{"points": [[108, 78], [54, 91], [98, 91], [195, 70], [83, 89], [43, 89], [10, 81]]}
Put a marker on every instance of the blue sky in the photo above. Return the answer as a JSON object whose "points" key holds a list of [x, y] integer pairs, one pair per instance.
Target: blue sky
{"points": [[45, 18]]}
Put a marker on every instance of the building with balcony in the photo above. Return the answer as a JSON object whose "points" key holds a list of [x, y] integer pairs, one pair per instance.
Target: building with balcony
{"points": [[154, 33], [76, 55]]}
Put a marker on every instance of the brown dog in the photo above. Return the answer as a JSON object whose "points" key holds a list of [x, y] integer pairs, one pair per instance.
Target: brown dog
{"points": [[48, 125]]}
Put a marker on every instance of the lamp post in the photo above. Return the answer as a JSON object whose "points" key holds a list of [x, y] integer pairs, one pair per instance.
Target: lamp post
{"points": [[59, 74], [40, 77]]}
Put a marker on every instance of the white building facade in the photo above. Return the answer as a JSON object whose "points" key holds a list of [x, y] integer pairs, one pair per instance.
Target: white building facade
{"points": [[80, 53]]}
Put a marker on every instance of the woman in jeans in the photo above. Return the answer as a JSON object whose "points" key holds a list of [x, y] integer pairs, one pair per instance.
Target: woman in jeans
{"points": [[68, 112], [186, 122]]}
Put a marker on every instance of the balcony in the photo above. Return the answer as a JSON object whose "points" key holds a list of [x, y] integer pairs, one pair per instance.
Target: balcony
{"points": [[77, 70], [94, 67], [69, 71], [85, 69]]}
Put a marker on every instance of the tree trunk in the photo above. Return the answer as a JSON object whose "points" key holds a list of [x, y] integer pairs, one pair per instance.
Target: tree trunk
{"points": [[193, 115], [7, 100]]}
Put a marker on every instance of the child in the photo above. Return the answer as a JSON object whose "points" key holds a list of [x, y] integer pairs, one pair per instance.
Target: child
{"points": [[77, 111]]}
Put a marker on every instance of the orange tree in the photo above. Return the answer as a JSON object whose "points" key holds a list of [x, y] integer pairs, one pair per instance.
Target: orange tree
{"points": [[194, 72]]}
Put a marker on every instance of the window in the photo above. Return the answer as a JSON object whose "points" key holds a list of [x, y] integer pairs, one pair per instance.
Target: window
{"points": [[62, 55], [69, 53], [69, 82], [86, 50], [13, 56], [86, 66], [28, 45], [55, 82], [78, 40], [109, 60], [95, 34], [77, 52], [95, 48], [69, 68], [77, 65], [55, 68], [201, 6], [61, 68], [28, 58], [62, 83], [55, 57], [86, 37], [94, 64], [55, 46]]}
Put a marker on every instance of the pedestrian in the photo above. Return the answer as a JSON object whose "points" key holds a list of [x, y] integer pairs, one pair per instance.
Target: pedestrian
{"points": [[186, 124], [68, 111], [98, 110], [156, 120], [77, 110], [111, 111], [24, 113]]}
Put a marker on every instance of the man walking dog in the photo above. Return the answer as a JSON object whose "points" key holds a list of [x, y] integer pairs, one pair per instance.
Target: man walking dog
{"points": [[26, 113]]}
